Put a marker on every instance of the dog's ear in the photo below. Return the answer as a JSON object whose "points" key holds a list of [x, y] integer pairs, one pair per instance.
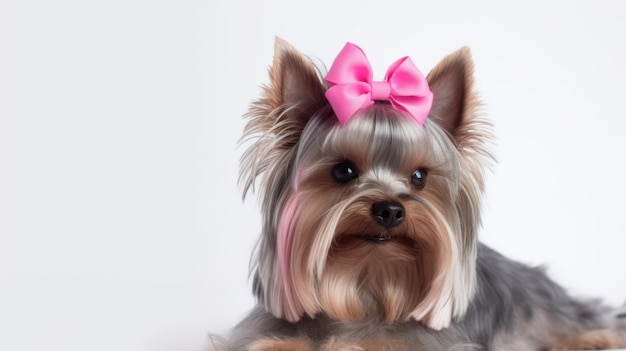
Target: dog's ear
{"points": [[277, 119], [295, 92], [295, 84], [454, 105]]}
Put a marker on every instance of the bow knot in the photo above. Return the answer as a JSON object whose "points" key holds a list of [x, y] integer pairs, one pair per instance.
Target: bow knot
{"points": [[381, 91], [354, 89]]}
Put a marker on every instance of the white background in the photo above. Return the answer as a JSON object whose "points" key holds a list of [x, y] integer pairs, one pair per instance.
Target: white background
{"points": [[121, 225]]}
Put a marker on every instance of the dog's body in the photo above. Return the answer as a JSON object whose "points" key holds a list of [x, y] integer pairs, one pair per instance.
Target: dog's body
{"points": [[516, 308], [370, 222]]}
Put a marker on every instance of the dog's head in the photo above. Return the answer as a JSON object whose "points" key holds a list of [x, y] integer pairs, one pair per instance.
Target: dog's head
{"points": [[375, 217]]}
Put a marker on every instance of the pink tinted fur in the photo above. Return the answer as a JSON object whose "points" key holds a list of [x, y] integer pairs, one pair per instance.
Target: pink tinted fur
{"points": [[286, 233]]}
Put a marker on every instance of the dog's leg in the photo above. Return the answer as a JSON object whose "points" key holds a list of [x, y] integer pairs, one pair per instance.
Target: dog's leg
{"points": [[604, 339], [280, 345]]}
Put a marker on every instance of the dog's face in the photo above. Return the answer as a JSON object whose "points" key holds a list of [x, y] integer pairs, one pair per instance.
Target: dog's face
{"points": [[375, 219]]}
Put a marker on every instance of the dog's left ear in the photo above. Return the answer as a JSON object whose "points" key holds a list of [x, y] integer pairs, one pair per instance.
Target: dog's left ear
{"points": [[454, 103]]}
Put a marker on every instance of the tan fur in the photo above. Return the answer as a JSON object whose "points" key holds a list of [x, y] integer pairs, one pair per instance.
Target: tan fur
{"points": [[594, 340]]}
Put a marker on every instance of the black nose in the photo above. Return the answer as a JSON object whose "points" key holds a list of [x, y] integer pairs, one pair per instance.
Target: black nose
{"points": [[388, 213]]}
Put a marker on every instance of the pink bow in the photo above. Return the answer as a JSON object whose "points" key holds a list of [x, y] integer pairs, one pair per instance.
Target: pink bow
{"points": [[353, 88]]}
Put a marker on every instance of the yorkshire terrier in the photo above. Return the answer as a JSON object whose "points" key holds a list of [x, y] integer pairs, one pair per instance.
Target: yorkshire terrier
{"points": [[371, 205]]}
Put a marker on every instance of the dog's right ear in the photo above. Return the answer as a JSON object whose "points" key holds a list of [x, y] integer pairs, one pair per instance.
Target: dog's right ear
{"points": [[276, 120], [296, 87]]}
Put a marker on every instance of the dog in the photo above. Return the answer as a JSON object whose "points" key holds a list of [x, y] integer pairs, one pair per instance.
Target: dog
{"points": [[370, 195]]}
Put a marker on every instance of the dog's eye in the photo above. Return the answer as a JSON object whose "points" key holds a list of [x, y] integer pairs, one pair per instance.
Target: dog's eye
{"points": [[344, 173], [418, 179]]}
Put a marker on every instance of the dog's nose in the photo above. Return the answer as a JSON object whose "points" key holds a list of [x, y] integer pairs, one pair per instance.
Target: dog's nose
{"points": [[388, 213]]}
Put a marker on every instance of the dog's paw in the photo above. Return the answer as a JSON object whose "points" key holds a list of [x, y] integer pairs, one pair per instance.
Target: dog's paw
{"points": [[334, 345], [280, 345], [342, 347], [595, 340], [369, 345]]}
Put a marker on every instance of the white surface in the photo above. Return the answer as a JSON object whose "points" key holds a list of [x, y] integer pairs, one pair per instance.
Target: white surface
{"points": [[121, 227]]}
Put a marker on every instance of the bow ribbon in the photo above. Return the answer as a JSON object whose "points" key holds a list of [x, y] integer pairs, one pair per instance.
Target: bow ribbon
{"points": [[353, 88]]}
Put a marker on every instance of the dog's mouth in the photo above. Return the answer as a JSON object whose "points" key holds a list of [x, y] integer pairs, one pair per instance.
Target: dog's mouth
{"points": [[390, 245], [376, 239]]}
